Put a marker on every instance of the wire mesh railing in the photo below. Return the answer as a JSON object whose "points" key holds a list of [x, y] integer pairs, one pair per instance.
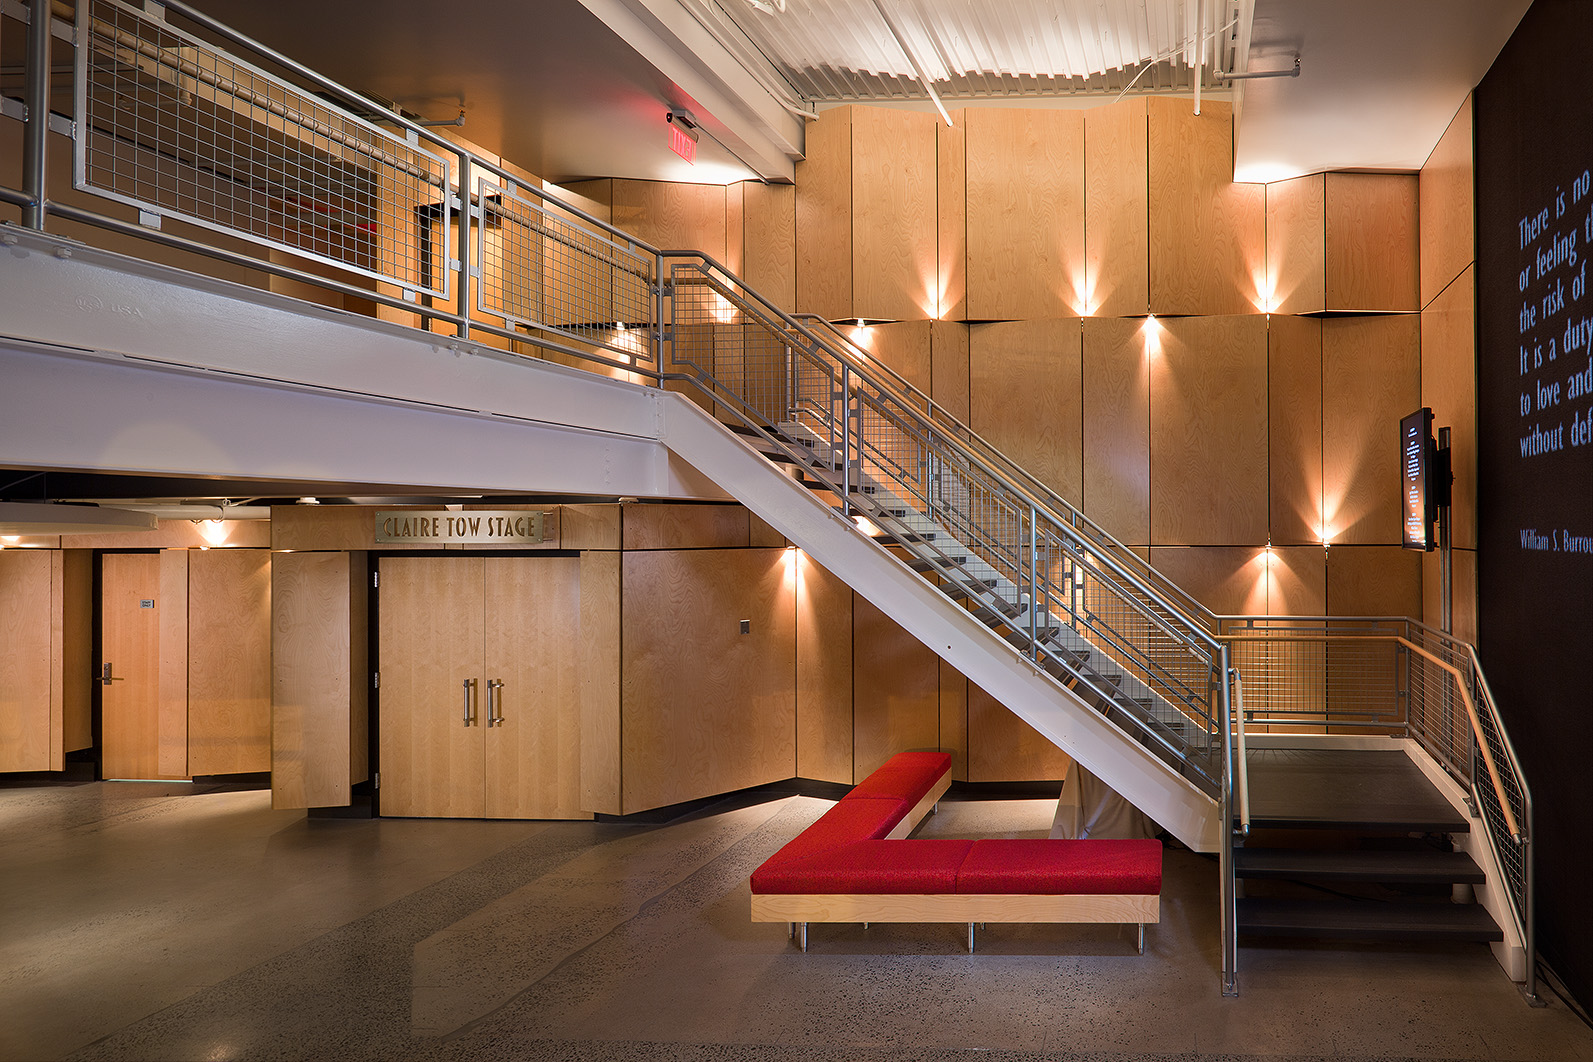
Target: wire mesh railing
{"points": [[997, 548]]}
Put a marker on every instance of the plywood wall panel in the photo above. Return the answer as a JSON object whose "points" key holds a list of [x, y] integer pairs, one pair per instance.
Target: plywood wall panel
{"points": [[824, 673], [1447, 221], [1025, 213], [949, 380], [1297, 245], [1449, 386], [1372, 242], [1371, 377], [690, 731], [1297, 581], [824, 217], [673, 216], [600, 683], [896, 689], [77, 651], [1116, 420], [1463, 601], [1208, 436], [25, 663], [1228, 580], [1374, 581], [1117, 209], [1004, 748], [1025, 397], [317, 613], [769, 242], [1207, 234], [1294, 429], [174, 650], [903, 347], [665, 526], [954, 719], [951, 157], [735, 258], [895, 215], [229, 661]]}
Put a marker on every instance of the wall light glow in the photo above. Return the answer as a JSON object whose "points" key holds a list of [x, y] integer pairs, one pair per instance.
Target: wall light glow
{"points": [[214, 532]]}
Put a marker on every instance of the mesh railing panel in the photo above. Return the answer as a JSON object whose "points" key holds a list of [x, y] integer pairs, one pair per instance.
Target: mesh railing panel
{"points": [[1030, 572], [547, 269], [172, 126]]}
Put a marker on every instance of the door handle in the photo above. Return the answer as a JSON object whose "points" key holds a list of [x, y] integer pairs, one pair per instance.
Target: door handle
{"points": [[105, 675], [494, 713], [470, 688]]}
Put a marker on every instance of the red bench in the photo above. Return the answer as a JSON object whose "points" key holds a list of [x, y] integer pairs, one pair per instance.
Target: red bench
{"points": [[854, 865]]}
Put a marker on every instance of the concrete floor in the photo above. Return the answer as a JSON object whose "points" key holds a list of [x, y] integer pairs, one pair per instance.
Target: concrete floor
{"points": [[142, 921]]}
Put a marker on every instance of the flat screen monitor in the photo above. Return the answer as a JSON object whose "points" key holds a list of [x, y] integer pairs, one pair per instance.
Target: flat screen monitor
{"points": [[1417, 461]]}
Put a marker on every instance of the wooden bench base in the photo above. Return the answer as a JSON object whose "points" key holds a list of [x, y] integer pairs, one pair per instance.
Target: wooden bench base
{"points": [[799, 909]]}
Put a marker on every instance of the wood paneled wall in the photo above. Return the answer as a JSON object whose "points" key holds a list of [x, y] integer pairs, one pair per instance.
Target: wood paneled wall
{"points": [[1449, 351], [689, 730], [320, 678], [229, 661]]}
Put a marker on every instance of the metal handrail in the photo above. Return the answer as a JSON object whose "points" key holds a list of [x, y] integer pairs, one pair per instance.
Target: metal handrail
{"points": [[1042, 499], [1188, 605]]}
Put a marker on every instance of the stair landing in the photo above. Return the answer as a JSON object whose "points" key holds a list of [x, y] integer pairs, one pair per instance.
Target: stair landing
{"points": [[1345, 789]]}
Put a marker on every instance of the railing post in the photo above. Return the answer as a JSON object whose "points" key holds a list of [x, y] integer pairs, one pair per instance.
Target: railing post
{"points": [[463, 246], [1228, 884], [1034, 584], [35, 147], [846, 441], [660, 330]]}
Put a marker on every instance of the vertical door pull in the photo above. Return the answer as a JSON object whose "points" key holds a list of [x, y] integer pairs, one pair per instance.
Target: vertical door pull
{"points": [[470, 688], [494, 713]]}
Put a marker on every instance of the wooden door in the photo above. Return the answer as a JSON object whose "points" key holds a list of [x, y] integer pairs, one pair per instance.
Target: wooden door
{"points": [[533, 637], [229, 661], [131, 604], [430, 632], [25, 660]]}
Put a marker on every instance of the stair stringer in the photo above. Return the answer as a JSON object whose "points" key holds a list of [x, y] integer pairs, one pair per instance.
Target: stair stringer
{"points": [[1061, 716]]}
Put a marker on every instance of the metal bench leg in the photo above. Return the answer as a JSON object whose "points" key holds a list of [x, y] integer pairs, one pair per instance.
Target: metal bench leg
{"points": [[802, 936], [790, 930], [970, 938], [1142, 938]]}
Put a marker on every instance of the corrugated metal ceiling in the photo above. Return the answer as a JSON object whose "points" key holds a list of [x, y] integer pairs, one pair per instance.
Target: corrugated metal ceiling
{"points": [[846, 49]]}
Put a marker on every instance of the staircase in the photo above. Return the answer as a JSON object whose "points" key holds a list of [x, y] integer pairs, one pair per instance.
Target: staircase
{"points": [[1354, 845]]}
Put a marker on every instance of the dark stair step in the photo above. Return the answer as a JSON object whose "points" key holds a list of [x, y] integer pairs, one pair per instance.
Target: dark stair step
{"points": [[1429, 867], [935, 564], [1345, 920]]}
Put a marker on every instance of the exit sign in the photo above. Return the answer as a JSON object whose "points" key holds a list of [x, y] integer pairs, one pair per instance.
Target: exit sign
{"points": [[682, 145]]}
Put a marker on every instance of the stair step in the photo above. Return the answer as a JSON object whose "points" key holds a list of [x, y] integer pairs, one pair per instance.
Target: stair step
{"points": [[1411, 867], [935, 564], [1346, 920]]}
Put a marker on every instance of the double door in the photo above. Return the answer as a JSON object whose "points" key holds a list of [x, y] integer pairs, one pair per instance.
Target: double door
{"points": [[480, 713]]}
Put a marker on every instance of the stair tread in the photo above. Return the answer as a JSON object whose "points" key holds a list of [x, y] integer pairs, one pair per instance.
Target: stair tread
{"points": [[1357, 865], [1346, 920]]}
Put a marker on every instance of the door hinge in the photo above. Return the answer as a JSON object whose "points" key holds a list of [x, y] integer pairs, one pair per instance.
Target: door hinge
{"points": [[376, 680], [376, 780], [376, 580]]}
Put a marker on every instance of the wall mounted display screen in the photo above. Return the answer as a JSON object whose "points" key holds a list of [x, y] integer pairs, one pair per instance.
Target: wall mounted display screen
{"points": [[1534, 159], [1415, 469]]}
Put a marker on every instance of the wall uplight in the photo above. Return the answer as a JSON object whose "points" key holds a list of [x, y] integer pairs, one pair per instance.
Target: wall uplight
{"points": [[214, 532]]}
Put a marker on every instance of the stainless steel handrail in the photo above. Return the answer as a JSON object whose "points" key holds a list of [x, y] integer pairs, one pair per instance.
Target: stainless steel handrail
{"points": [[864, 370], [1076, 517]]}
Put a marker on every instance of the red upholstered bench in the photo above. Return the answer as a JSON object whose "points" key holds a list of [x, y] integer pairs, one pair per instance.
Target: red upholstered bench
{"points": [[851, 866]]}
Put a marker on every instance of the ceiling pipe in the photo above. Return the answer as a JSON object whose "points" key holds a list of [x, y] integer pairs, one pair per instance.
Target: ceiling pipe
{"points": [[923, 75]]}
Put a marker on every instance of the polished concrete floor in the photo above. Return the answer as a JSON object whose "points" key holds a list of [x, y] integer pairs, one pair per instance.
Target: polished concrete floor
{"points": [[142, 921]]}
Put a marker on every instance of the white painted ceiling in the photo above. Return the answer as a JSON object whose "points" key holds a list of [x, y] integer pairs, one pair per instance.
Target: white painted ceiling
{"points": [[579, 88]]}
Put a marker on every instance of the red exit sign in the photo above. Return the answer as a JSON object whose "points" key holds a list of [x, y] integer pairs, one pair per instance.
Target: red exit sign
{"points": [[682, 145]]}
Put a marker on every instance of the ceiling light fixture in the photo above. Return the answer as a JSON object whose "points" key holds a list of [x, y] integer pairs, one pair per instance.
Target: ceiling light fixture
{"points": [[768, 7]]}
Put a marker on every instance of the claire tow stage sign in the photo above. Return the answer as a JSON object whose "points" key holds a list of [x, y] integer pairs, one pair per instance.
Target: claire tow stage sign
{"points": [[482, 527]]}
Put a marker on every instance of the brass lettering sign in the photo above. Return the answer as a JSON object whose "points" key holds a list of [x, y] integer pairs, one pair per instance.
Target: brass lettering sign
{"points": [[483, 527]]}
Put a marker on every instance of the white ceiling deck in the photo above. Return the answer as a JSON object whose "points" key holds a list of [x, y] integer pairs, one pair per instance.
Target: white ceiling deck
{"points": [[579, 88]]}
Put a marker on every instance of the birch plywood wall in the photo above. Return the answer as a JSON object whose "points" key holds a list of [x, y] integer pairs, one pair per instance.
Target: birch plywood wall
{"points": [[1015, 259]]}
